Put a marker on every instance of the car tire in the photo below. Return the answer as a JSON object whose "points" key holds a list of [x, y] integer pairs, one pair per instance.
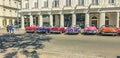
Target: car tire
{"points": [[60, 32]]}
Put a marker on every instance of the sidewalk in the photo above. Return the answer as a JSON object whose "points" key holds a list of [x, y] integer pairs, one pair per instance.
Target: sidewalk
{"points": [[20, 31]]}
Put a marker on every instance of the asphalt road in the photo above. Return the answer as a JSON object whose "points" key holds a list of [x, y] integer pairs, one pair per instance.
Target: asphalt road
{"points": [[108, 46]]}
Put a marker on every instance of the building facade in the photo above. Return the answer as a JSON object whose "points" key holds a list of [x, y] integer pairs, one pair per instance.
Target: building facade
{"points": [[8, 12], [70, 12]]}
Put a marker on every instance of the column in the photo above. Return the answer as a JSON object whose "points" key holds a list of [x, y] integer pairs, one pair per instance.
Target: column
{"points": [[40, 20], [62, 20], [22, 22], [30, 4], [73, 19], [31, 20], [102, 19], [7, 21], [13, 21], [87, 23], [51, 20], [1, 23], [118, 15]]}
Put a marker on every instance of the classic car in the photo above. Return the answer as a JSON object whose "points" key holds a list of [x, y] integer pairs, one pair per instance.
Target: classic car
{"points": [[72, 30], [44, 29], [108, 30], [119, 31], [30, 29], [57, 29], [90, 30]]}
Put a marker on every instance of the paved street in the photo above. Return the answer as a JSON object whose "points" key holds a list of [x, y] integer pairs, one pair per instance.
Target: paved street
{"points": [[107, 46], [88, 44]]}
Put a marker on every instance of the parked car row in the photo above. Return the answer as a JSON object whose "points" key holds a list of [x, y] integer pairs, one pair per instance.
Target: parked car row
{"points": [[104, 30]]}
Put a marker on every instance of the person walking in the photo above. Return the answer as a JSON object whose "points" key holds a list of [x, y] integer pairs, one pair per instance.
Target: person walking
{"points": [[11, 28], [7, 28]]}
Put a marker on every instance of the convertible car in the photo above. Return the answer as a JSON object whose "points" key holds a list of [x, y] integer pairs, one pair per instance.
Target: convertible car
{"points": [[30, 29], [90, 30], [119, 31], [44, 29], [72, 30], [57, 29], [108, 30]]}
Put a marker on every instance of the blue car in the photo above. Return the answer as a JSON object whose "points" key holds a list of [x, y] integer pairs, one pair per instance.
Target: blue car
{"points": [[43, 29]]}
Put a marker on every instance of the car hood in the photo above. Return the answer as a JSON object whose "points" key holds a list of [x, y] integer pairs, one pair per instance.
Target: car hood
{"points": [[90, 28], [30, 28], [55, 28], [107, 29]]}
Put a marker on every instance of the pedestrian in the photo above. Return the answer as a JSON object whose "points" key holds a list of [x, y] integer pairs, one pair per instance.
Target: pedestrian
{"points": [[11, 28], [7, 28], [17, 27]]}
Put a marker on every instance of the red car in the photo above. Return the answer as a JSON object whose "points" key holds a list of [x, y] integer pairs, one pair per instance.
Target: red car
{"points": [[30, 29], [57, 29], [119, 31]]}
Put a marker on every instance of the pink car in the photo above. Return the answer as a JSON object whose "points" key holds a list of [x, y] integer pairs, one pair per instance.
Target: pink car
{"points": [[90, 30]]}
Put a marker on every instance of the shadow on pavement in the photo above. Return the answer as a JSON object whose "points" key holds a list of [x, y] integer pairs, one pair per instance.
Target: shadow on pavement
{"points": [[22, 41]]}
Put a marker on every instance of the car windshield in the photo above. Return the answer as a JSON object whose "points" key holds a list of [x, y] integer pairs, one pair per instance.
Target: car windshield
{"points": [[107, 26]]}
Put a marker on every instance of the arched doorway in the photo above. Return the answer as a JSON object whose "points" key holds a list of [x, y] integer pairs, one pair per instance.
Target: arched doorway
{"points": [[106, 20], [94, 21]]}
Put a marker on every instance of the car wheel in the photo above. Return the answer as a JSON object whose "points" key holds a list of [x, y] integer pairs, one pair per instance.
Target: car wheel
{"points": [[60, 32]]}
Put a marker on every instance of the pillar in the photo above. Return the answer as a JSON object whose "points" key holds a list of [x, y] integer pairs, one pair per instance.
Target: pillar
{"points": [[117, 21], [40, 20], [62, 20], [13, 21], [102, 19], [73, 19], [51, 20], [22, 22], [7, 21], [30, 4], [1, 23], [31, 20], [87, 23]]}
